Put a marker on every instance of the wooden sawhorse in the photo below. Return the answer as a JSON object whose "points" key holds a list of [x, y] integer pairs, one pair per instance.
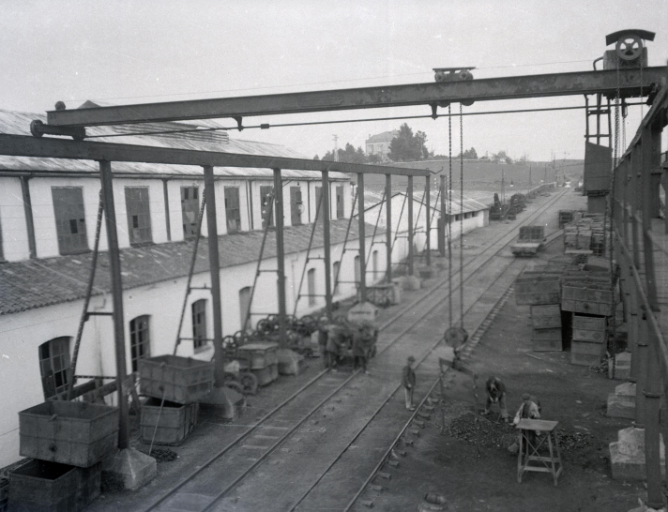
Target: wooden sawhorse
{"points": [[533, 436]]}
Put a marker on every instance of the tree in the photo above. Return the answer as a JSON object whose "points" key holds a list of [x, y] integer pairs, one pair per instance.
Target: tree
{"points": [[347, 154], [407, 146]]}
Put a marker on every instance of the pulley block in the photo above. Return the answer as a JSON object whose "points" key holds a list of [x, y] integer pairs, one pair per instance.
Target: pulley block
{"points": [[455, 337]]}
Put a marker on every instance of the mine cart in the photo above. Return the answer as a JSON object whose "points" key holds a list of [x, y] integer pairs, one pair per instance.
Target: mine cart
{"points": [[530, 241], [344, 334]]}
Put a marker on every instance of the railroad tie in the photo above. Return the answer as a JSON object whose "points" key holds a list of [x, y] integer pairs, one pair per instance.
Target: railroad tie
{"points": [[367, 503], [415, 432], [393, 463], [424, 415], [398, 453], [384, 475], [376, 487], [418, 423]]}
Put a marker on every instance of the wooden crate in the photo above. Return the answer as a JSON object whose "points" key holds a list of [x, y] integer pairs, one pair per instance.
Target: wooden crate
{"points": [[546, 340], [592, 299], [174, 423], [178, 379], [74, 433], [546, 317], [584, 353], [538, 288], [258, 355], [588, 328]]}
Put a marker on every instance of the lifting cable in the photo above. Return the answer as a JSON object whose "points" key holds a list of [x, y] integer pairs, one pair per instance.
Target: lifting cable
{"points": [[193, 259], [89, 291], [450, 216], [461, 217]]}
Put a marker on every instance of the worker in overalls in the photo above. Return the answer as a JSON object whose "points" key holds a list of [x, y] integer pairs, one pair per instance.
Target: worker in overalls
{"points": [[530, 410], [496, 394]]}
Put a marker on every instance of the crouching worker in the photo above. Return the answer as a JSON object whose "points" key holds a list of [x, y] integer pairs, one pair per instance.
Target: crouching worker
{"points": [[496, 394]]}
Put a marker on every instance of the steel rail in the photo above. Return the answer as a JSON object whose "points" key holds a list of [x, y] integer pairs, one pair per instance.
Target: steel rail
{"points": [[262, 420], [416, 321]]}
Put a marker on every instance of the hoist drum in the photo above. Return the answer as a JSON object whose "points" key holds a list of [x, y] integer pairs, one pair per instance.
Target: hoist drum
{"points": [[455, 337], [629, 47]]}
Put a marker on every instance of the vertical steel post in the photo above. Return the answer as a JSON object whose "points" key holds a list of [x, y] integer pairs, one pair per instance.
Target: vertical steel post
{"points": [[641, 383], [427, 195], [652, 394], [443, 230], [409, 193], [214, 269], [280, 255], [325, 235], [362, 235], [635, 204], [117, 301], [633, 321], [165, 194], [388, 227]]}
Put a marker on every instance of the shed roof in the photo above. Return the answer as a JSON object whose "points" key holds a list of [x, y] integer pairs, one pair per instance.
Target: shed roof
{"points": [[18, 123], [31, 284], [374, 199]]}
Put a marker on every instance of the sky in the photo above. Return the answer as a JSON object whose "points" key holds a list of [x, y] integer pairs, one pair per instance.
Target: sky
{"points": [[145, 51]]}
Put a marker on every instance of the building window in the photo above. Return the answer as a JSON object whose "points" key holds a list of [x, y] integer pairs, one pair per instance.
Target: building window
{"points": [[296, 206], [139, 215], [267, 204], [54, 365], [199, 323], [232, 209], [140, 340], [70, 214], [244, 306], [189, 211], [311, 287], [339, 203]]}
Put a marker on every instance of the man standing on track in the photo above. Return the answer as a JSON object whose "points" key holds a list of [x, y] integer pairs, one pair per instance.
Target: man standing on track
{"points": [[408, 380]]}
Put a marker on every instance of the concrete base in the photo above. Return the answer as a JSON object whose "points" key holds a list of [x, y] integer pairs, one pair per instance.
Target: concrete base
{"points": [[134, 468], [627, 455], [622, 403], [363, 312], [224, 402], [408, 282], [622, 366]]}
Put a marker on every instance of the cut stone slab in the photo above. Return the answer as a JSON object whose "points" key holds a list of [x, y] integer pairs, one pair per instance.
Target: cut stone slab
{"points": [[363, 312], [622, 403], [621, 365], [134, 468], [627, 455], [224, 402]]}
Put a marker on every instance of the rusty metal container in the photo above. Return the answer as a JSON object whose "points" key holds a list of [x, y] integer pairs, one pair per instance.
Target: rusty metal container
{"points": [[175, 422], [41, 486], [546, 340], [546, 317], [538, 288], [589, 328], [178, 379], [75, 433], [258, 355], [584, 353]]}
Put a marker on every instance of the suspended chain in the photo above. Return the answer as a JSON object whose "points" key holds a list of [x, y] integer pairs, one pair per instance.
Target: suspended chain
{"points": [[89, 290], [461, 217], [193, 259], [450, 216]]}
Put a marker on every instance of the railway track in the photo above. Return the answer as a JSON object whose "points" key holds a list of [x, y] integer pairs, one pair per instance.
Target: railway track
{"points": [[312, 407]]}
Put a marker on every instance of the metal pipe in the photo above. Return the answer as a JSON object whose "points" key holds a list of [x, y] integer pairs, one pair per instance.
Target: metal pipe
{"points": [[117, 301], [280, 255], [27, 211], [362, 241], [411, 267], [214, 268], [388, 228], [328, 248]]}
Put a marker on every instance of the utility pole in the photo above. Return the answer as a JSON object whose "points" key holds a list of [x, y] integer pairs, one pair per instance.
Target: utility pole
{"points": [[336, 148]]}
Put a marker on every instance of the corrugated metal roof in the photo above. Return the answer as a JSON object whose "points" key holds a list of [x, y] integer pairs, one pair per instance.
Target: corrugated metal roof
{"points": [[38, 283], [18, 123]]}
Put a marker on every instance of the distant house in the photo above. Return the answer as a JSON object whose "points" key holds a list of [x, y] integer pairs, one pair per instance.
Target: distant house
{"points": [[380, 144]]}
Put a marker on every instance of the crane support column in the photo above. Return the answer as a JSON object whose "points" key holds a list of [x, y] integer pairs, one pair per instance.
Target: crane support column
{"points": [[280, 254], [326, 241], [388, 227], [411, 267], [362, 252], [117, 301], [214, 269], [427, 195]]}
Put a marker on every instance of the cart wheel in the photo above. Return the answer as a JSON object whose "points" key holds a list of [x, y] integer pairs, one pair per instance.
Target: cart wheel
{"points": [[264, 326], [240, 337], [229, 343], [248, 383], [232, 384]]}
